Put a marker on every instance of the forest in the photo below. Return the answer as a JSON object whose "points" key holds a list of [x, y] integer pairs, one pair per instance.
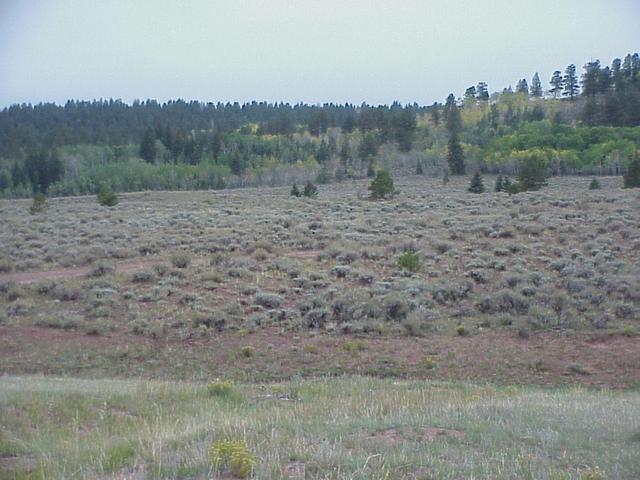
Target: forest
{"points": [[586, 123]]}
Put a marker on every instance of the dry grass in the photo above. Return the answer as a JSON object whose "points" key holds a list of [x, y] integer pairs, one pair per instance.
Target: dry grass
{"points": [[348, 428]]}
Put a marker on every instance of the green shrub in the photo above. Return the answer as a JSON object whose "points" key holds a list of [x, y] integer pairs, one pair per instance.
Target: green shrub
{"points": [[39, 204], [462, 331], [629, 331], [382, 185], [409, 261], [247, 351], [499, 186], [106, 197], [476, 185], [295, 191], [594, 185], [232, 456]]}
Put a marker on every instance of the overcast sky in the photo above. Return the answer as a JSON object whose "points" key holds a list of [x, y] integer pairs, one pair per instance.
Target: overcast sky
{"points": [[298, 50]]}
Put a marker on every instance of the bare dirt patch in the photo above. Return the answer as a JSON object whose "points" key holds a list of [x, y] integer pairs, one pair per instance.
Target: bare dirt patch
{"points": [[496, 357]]}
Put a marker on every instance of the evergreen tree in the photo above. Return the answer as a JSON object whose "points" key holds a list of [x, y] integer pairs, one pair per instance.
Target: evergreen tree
{"points": [[499, 185], [435, 113], [570, 82], [455, 156], [594, 185], [148, 149], [237, 164], [532, 172], [106, 197], [295, 191], [591, 79], [470, 94], [556, 83], [419, 169], [368, 147], [631, 179], [536, 86], [483, 92], [476, 185], [381, 185], [452, 118], [522, 86]]}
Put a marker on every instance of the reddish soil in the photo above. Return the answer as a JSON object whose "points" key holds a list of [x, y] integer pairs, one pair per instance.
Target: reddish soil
{"points": [[75, 272], [549, 359]]}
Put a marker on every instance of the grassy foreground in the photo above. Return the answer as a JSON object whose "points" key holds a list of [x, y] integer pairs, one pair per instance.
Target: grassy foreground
{"points": [[342, 428]]}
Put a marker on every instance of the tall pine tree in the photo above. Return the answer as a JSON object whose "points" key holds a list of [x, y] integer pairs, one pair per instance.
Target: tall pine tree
{"points": [[536, 86]]}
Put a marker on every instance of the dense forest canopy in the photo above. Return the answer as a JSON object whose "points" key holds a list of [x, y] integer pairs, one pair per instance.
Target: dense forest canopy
{"points": [[582, 123]]}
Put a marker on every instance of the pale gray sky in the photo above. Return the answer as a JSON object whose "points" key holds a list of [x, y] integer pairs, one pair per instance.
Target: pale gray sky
{"points": [[298, 50]]}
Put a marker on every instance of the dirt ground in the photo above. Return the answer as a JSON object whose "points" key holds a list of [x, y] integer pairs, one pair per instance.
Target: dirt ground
{"points": [[549, 359]]}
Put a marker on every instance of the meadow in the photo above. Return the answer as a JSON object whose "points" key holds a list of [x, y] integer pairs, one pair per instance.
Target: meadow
{"points": [[347, 428]]}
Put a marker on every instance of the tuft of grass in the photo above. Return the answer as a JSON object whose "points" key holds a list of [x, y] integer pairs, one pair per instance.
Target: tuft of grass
{"points": [[221, 388], [355, 346]]}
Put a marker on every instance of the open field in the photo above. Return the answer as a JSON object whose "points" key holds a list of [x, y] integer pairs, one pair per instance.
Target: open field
{"points": [[540, 287], [347, 428]]}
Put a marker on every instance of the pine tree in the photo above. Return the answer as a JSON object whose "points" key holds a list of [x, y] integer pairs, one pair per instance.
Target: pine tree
{"points": [[455, 156], [419, 169], [476, 185], [631, 179], [483, 92], [532, 172], [295, 191], [453, 120], [591, 79], [536, 86], [522, 86], [570, 82], [148, 149], [382, 185], [556, 84], [499, 185], [594, 185], [106, 196]]}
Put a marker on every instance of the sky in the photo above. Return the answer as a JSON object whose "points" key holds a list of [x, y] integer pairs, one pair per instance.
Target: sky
{"points": [[312, 51]]}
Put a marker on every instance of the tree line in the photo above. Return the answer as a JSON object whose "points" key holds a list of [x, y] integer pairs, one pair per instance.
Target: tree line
{"points": [[582, 120]]}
